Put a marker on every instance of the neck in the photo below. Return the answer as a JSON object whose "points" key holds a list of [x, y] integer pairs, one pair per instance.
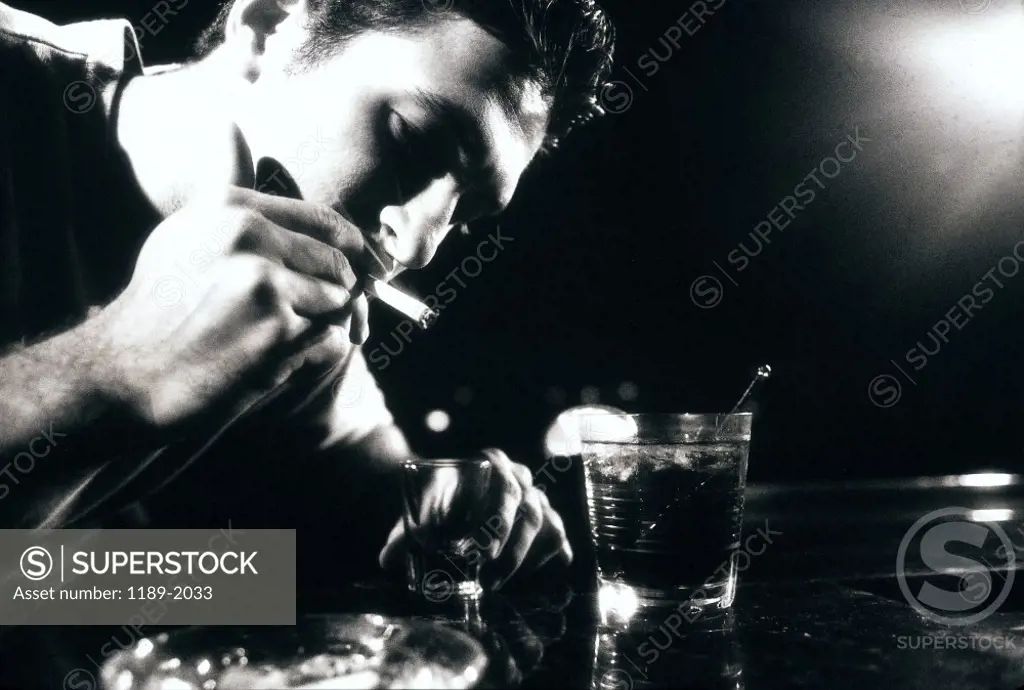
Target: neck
{"points": [[178, 130]]}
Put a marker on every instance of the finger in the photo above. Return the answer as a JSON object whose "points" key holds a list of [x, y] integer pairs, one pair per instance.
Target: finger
{"points": [[526, 526], [394, 548], [552, 518], [300, 253], [360, 330], [296, 332], [318, 221], [287, 332], [551, 542], [330, 348], [522, 474], [307, 296], [508, 492]]}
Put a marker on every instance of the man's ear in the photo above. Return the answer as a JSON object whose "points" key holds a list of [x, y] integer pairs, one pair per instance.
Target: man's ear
{"points": [[251, 22]]}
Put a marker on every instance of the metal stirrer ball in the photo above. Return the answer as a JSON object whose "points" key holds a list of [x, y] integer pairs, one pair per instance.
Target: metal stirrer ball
{"points": [[763, 372]]}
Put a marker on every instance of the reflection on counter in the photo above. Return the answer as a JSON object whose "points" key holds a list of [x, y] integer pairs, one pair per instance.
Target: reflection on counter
{"points": [[648, 652]]}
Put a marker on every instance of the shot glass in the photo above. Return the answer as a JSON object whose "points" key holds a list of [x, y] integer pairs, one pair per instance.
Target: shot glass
{"points": [[447, 509], [665, 503]]}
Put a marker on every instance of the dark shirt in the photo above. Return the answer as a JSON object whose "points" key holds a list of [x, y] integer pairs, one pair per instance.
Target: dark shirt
{"points": [[72, 221], [68, 240]]}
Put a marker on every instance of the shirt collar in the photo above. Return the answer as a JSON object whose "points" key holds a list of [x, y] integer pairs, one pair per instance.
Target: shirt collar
{"points": [[112, 52]]}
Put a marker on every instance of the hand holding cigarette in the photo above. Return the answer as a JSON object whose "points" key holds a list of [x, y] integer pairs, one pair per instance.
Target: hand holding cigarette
{"points": [[420, 314], [204, 347]]}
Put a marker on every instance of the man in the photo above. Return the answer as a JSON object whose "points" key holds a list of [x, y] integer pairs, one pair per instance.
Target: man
{"points": [[155, 296]]}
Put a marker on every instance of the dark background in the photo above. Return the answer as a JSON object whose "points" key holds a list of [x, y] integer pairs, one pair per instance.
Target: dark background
{"points": [[611, 234]]}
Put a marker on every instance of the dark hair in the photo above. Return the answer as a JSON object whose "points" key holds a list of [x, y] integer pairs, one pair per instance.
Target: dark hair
{"points": [[565, 46]]}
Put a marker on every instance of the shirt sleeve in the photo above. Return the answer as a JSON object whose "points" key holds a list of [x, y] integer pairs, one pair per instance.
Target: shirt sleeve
{"points": [[352, 409], [341, 411]]}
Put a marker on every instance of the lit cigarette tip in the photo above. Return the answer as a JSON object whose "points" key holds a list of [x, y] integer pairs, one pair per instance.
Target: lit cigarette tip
{"points": [[422, 315]]}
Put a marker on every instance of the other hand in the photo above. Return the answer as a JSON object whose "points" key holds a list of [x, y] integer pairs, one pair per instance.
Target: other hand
{"points": [[523, 531]]}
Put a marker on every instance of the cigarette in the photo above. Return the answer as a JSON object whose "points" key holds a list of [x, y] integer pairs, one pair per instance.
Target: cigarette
{"points": [[422, 315]]}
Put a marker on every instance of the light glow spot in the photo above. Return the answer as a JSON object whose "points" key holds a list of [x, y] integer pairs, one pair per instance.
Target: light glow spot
{"points": [[616, 602], [985, 479], [564, 436], [991, 515], [980, 62], [124, 680], [438, 421], [143, 649]]}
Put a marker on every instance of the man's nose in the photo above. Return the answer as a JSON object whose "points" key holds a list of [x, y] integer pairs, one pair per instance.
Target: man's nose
{"points": [[419, 224]]}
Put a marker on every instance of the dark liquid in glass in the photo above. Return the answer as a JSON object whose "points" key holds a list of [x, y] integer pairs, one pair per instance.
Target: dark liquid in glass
{"points": [[666, 519]]}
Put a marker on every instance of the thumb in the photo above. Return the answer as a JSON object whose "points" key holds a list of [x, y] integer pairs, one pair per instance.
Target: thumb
{"points": [[391, 555]]}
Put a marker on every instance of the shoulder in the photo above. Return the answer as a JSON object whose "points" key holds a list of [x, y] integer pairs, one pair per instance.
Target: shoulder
{"points": [[17, 26], [100, 41], [34, 50], [59, 84]]}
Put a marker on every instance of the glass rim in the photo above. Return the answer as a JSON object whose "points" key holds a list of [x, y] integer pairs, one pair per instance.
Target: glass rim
{"points": [[447, 462], [662, 427], [682, 416]]}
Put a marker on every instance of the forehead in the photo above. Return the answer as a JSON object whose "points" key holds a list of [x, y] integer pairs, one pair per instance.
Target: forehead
{"points": [[458, 62]]}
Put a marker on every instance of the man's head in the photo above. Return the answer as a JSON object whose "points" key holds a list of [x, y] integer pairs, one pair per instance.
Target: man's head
{"points": [[411, 116]]}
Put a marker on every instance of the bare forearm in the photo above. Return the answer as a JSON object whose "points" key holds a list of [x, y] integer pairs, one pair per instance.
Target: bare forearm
{"points": [[61, 384]]}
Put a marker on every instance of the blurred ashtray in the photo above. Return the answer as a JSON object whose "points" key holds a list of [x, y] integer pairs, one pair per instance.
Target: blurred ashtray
{"points": [[320, 652]]}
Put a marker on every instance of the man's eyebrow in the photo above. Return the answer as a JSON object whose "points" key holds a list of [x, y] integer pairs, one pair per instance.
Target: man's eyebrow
{"points": [[469, 136], [455, 119]]}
